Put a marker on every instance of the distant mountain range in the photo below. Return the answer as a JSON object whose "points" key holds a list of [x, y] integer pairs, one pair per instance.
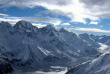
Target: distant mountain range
{"points": [[28, 48], [95, 39]]}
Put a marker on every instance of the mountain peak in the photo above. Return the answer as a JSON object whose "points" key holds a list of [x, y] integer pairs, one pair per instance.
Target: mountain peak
{"points": [[23, 24], [5, 24], [63, 30], [50, 27], [84, 34]]}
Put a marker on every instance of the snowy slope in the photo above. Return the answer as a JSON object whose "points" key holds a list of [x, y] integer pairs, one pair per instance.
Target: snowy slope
{"points": [[31, 48], [100, 42], [90, 39], [94, 39], [107, 42], [100, 65]]}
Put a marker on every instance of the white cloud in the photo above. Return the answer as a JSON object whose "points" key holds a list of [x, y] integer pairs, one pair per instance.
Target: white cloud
{"points": [[65, 24], [39, 25], [77, 10], [98, 8], [31, 3], [70, 8], [51, 20], [95, 23], [3, 14], [91, 30], [13, 20]]}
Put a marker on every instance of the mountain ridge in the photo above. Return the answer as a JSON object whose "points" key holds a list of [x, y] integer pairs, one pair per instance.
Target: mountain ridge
{"points": [[31, 48]]}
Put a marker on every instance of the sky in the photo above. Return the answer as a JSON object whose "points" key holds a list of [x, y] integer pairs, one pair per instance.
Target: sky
{"points": [[79, 16]]}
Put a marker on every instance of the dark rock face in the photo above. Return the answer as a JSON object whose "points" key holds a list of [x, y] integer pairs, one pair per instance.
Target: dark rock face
{"points": [[5, 66], [4, 69]]}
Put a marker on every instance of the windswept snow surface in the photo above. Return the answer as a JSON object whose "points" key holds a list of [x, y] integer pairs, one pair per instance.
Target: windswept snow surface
{"points": [[100, 65], [63, 71], [103, 46]]}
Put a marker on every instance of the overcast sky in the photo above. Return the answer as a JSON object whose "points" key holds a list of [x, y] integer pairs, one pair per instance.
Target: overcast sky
{"points": [[79, 16]]}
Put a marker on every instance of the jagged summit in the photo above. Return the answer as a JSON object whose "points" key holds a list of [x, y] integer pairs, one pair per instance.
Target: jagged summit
{"points": [[23, 24], [63, 30], [5, 24], [49, 27], [85, 34]]}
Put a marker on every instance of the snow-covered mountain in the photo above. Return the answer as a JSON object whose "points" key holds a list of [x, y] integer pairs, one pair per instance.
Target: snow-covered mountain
{"points": [[91, 39], [30, 48], [95, 39], [100, 65]]}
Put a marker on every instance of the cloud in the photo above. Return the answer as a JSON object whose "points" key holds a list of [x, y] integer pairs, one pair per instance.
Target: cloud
{"points": [[76, 10], [13, 20], [70, 8], [65, 24], [98, 8], [39, 25], [91, 30], [32, 3], [95, 23], [54, 21], [3, 14]]}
